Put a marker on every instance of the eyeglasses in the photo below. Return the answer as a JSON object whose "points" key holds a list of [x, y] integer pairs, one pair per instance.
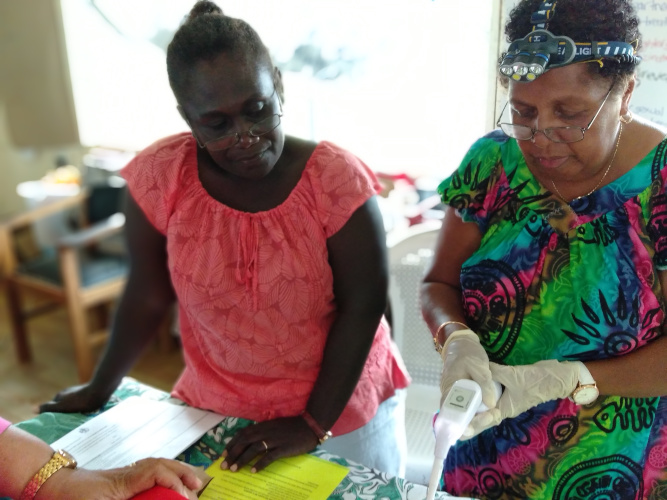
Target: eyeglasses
{"points": [[555, 134], [258, 129]]}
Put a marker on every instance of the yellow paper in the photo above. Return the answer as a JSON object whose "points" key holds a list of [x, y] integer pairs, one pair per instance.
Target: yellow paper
{"points": [[304, 477]]}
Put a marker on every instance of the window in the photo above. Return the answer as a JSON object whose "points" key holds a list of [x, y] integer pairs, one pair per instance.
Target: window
{"points": [[406, 85]]}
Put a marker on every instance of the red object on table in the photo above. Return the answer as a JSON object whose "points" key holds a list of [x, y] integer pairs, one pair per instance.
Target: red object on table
{"points": [[158, 493]]}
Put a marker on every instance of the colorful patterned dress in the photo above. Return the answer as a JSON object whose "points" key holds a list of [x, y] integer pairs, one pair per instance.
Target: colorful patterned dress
{"points": [[567, 282]]}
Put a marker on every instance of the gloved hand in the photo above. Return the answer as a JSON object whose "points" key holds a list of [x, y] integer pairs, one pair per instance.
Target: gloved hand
{"points": [[526, 386], [464, 357]]}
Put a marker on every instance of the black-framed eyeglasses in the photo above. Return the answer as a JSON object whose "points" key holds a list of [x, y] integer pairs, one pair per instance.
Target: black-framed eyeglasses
{"points": [[555, 134]]}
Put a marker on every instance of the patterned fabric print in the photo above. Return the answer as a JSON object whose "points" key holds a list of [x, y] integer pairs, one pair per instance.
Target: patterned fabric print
{"points": [[255, 290], [562, 281]]}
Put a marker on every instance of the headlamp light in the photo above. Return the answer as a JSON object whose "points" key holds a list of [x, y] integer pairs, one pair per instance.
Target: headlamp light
{"points": [[540, 50]]}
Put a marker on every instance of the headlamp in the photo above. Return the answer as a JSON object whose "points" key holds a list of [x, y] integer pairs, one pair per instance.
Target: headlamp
{"points": [[540, 50], [528, 57]]}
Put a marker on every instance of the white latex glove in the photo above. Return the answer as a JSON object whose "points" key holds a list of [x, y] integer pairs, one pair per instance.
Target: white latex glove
{"points": [[526, 386], [464, 357]]}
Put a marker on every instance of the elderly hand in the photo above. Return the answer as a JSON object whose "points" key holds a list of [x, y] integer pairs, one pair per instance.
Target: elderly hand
{"points": [[270, 440], [464, 357], [526, 386], [123, 483]]}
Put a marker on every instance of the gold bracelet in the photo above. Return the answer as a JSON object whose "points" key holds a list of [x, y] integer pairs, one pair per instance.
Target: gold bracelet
{"points": [[438, 346], [59, 460]]}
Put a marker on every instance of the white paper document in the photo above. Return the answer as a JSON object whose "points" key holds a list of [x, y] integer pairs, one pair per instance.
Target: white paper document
{"points": [[134, 429]]}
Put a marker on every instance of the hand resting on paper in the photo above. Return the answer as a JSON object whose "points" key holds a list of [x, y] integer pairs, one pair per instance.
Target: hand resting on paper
{"points": [[83, 398], [126, 482], [22, 455], [284, 437]]}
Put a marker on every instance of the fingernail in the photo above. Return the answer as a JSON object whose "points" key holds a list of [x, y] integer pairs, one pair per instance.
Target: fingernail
{"points": [[234, 468], [224, 465], [224, 453], [253, 470]]}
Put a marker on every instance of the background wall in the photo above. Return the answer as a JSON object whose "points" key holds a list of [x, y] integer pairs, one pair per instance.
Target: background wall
{"points": [[37, 118], [650, 97]]}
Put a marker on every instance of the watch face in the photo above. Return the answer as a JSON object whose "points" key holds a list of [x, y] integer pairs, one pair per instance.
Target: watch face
{"points": [[585, 394], [71, 461]]}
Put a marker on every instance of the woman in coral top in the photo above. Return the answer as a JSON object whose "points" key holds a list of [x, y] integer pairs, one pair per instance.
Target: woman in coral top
{"points": [[275, 250]]}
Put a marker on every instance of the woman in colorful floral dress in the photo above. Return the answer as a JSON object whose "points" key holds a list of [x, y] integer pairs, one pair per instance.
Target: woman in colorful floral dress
{"points": [[550, 273]]}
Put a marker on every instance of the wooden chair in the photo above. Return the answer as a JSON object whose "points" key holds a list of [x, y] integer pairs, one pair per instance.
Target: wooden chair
{"points": [[74, 274]]}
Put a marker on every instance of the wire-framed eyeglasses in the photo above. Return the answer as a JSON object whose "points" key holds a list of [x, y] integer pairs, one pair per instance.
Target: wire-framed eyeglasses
{"points": [[258, 129], [555, 134]]}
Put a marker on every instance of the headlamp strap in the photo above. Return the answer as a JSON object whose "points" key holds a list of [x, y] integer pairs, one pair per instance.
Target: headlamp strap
{"points": [[540, 19], [540, 50], [599, 50]]}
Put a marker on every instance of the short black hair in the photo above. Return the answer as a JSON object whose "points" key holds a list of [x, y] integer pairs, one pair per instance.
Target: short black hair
{"points": [[585, 21], [206, 33]]}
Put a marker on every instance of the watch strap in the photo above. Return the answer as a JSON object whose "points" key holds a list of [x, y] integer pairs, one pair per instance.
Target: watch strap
{"points": [[58, 460], [585, 377]]}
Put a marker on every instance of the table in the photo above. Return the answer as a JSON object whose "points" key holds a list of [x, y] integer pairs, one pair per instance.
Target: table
{"points": [[361, 482]]}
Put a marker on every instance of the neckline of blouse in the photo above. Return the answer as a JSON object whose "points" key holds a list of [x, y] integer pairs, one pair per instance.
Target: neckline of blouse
{"points": [[193, 174], [540, 191]]}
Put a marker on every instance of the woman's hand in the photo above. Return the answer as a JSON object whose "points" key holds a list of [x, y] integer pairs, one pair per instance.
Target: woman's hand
{"points": [[79, 398], [123, 483], [464, 357], [270, 440], [526, 386]]}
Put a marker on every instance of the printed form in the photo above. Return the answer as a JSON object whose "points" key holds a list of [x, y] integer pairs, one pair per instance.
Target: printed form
{"points": [[303, 477], [134, 429]]}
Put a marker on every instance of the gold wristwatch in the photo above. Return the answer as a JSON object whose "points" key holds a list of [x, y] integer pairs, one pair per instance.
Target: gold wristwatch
{"points": [[59, 460], [587, 390]]}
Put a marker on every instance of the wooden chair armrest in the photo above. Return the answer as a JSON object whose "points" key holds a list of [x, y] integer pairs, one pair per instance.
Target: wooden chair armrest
{"points": [[94, 233], [7, 257], [39, 212]]}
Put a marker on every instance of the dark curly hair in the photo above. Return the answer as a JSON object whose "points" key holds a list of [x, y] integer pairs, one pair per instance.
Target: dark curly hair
{"points": [[206, 33], [585, 21]]}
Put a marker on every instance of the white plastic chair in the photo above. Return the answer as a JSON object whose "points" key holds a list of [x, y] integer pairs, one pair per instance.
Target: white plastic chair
{"points": [[410, 253]]}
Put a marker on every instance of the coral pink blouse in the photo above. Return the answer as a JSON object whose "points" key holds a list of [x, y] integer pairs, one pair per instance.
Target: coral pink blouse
{"points": [[255, 290]]}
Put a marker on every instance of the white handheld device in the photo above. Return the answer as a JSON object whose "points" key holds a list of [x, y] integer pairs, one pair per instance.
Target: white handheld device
{"points": [[460, 406]]}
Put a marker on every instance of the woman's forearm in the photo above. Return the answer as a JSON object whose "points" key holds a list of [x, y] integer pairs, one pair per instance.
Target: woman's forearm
{"points": [[640, 374], [348, 344], [21, 456], [440, 303]]}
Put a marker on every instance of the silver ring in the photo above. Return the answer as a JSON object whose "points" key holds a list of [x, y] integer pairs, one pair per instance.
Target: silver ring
{"points": [[266, 446]]}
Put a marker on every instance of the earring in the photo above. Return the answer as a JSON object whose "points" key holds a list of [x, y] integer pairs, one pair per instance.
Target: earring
{"points": [[627, 119]]}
